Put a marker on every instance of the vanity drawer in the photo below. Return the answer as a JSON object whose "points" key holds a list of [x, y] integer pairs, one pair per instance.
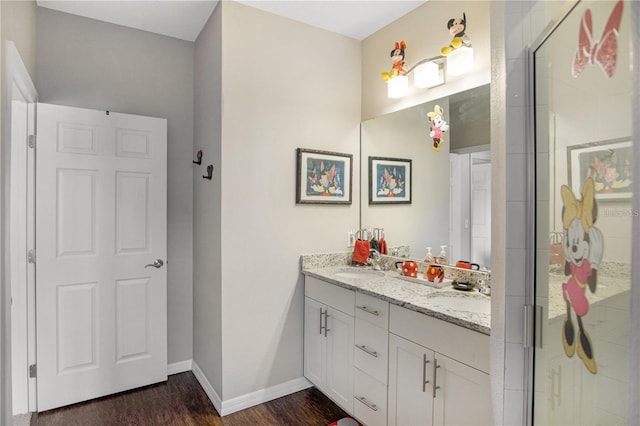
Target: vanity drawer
{"points": [[371, 350], [372, 309], [330, 294], [369, 399]]}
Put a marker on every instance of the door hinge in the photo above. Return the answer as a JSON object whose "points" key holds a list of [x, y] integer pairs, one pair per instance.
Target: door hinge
{"points": [[32, 141], [31, 256], [33, 370]]}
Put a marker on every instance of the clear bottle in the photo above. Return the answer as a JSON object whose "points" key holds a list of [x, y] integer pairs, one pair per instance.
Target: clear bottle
{"points": [[428, 258], [443, 259]]}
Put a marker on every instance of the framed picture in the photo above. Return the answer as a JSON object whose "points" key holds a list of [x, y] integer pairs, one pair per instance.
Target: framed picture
{"points": [[323, 177], [609, 163], [389, 180]]}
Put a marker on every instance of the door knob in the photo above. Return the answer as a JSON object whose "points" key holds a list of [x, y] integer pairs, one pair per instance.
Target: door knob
{"points": [[156, 264]]}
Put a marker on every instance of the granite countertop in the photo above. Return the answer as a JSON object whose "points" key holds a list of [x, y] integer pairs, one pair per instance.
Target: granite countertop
{"points": [[470, 309]]}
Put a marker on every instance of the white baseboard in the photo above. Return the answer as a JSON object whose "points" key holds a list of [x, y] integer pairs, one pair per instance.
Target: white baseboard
{"points": [[209, 390], [250, 399], [179, 367]]}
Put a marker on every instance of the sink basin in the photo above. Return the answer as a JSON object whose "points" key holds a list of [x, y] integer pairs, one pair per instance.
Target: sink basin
{"points": [[466, 304], [361, 275]]}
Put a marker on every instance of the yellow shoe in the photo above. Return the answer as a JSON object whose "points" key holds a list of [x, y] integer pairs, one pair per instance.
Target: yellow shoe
{"points": [[456, 42], [446, 50], [385, 76], [585, 352], [568, 338]]}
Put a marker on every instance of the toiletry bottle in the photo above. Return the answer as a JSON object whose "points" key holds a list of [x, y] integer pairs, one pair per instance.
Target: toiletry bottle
{"points": [[428, 260], [443, 259]]}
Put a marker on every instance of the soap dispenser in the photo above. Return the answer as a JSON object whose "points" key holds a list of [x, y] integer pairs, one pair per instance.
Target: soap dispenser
{"points": [[428, 258], [443, 259]]}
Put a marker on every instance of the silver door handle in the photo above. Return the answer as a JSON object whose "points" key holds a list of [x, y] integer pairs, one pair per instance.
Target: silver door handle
{"points": [[368, 403], [368, 310], [367, 350], [158, 263]]}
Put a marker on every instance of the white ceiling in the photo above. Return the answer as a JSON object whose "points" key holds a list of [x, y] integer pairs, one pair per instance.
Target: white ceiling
{"points": [[184, 19]]}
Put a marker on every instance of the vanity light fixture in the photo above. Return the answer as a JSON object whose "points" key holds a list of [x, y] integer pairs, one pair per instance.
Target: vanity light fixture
{"points": [[398, 86], [460, 60], [429, 73]]}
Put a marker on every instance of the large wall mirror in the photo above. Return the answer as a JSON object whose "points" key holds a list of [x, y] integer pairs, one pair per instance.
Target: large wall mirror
{"points": [[450, 196]]}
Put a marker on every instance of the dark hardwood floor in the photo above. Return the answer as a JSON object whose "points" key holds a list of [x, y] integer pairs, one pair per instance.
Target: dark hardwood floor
{"points": [[182, 401]]}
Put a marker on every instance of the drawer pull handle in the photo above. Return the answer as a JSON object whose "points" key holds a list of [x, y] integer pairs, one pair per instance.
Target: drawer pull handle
{"points": [[369, 310], [425, 361], [369, 404], [367, 350], [435, 377]]}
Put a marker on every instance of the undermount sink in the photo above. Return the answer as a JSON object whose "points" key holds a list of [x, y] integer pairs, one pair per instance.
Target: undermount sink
{"points": [[466, 304], [364, 274]]}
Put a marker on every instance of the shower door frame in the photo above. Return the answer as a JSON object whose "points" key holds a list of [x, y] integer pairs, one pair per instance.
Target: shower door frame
{"points": [[533, 317]]}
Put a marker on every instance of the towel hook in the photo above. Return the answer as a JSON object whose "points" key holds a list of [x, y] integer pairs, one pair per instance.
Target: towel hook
{"points": [[199, 157], [209, 172]]}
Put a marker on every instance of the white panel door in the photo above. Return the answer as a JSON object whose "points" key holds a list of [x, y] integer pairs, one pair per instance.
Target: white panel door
{"points": [[315, 362], [339, 380], [481, 214], [410, 383], [463, 394], [100, 219]]}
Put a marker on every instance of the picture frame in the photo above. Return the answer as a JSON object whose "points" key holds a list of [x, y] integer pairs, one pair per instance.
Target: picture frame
{"points": [[323, 177], [389, 180], [608, 162]]}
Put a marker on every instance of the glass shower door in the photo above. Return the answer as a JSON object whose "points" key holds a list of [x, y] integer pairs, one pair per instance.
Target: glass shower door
{"points": [[583, 218]]}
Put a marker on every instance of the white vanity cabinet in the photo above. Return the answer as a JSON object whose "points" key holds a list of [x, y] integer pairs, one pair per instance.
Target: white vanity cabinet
{"points": [[328, 340], [371, 360], [438, 372], [389, 365]]}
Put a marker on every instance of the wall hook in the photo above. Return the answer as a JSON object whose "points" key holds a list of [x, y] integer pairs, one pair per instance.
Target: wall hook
{"points": [[199, 157], [209, 172]]}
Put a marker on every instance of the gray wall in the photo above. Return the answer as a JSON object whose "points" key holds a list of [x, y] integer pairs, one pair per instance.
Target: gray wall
{"points": [[207, 208], [90, 64], [249, 293]]}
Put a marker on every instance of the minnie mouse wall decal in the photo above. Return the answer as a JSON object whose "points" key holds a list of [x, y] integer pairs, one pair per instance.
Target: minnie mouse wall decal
{"points": [[583, 248], [603, 52], [439, 126]]}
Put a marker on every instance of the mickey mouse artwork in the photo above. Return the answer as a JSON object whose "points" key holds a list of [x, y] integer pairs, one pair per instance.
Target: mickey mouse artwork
{"points": [[583, 248], [397, 56], [439, 126], [457, 28]]}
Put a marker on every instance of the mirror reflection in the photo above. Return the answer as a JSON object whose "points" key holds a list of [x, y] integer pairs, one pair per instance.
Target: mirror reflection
{"points": [[449, 199]]}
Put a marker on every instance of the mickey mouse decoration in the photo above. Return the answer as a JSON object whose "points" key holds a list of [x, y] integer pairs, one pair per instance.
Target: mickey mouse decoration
{"points": [[457, 28], [397, 56], [439, 126], [583, 248]]}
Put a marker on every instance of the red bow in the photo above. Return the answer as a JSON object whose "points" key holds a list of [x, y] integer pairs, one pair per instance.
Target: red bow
{"points": [[603, 52]]}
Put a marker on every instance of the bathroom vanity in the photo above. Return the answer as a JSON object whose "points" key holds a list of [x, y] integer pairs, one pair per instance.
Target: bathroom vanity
{"points": [[392, 352]]}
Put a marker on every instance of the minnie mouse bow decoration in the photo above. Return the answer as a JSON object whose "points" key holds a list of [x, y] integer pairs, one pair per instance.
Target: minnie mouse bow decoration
{"points": [[603, 52]]}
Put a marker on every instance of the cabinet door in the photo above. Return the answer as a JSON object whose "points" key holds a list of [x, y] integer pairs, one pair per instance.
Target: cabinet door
{"points": [[314, 342], [339, 358], [462, 394], [410, 383]]}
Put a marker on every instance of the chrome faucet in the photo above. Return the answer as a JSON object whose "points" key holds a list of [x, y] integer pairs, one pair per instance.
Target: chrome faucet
{"points": [[374, 259]]}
